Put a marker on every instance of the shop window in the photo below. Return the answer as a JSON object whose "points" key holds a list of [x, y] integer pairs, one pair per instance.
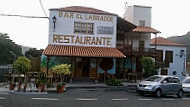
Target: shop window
{"points": [[84, 28]]}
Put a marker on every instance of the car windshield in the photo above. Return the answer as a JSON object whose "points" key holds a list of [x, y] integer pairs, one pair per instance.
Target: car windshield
{"points": [[154, 78], [187, 80]]}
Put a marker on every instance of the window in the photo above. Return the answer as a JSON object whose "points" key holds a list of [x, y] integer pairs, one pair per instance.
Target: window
{"points": [[159, 55], [84, 28], [168, 80], [169, 56], [175, 80], [141, 45], [142, 23]]}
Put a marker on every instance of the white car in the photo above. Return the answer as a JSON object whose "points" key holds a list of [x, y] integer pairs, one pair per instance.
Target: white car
{"points": [[186, 85]]}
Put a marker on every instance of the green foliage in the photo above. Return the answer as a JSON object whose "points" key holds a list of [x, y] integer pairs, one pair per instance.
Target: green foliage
{"points": [[114, 82], [22, 65], [42, 77], [149, 66], [59, 86], [33, 52], [62, 69], [7, 45]]}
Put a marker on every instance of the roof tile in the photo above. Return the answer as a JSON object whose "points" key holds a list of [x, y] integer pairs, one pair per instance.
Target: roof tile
{"points": [[165, 42], [82, 51], [145, 30], [82, 9]]}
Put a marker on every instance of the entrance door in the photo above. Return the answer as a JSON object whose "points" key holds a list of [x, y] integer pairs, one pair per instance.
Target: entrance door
{"points": [[86, 66]]}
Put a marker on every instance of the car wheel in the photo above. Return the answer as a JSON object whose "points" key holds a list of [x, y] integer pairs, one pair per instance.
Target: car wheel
{"points": [[158, 93], [180, 94]]}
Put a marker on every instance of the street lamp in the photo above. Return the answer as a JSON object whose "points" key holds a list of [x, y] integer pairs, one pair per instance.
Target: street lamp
{"points": [[54, 19]]}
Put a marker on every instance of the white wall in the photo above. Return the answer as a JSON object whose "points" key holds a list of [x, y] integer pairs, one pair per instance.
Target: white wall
{"points": [[179, 63], [136, 13], [65, 26]]}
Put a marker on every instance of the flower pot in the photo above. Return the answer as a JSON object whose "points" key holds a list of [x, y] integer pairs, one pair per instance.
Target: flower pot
{"points": [[25, 86], [11, 86], [19, 86], [41, 87], [60, 88]]}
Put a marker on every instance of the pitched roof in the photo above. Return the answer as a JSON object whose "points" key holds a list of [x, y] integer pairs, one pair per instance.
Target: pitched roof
{"points": [[165, 42], [82, 9], [145, 30], [82, 51]]}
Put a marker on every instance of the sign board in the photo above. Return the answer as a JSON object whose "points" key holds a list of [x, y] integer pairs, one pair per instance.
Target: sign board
{"points": [[82, 29]]}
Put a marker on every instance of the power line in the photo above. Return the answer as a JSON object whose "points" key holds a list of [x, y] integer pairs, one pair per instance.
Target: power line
{"points": [[42, 7], [22, 16]]}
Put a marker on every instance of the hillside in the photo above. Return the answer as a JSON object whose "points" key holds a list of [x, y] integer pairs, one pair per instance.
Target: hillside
{"points": [[185, 39]]}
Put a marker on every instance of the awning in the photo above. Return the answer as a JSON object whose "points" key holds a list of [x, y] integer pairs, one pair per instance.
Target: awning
{"points": [[82, 51]]}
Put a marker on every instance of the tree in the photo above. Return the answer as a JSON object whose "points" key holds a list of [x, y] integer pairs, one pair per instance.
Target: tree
{"points": [[62, 70], [33, 52], [22, 65], [149, 66], [8, 50]]}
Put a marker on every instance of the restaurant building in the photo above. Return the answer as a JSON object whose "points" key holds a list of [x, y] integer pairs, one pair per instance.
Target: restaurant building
{"points": [[96, 43], [85, 38]]}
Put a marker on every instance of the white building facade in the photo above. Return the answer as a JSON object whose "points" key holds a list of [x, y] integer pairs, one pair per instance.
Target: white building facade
{"points": [[173, 55]]}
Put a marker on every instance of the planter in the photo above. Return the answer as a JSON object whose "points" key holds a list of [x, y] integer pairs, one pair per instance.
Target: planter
{"points": [[11, 86], [41, 87], [19, 86], [60, 88], [25, 86]]}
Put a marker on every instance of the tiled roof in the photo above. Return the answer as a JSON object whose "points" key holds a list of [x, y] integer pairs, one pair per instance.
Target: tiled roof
{"points": [[145, 30], [82, 9], [82, 51], [165, 42]]}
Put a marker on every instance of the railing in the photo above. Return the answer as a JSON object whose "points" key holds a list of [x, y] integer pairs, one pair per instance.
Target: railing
{"points": [[129, 50]]}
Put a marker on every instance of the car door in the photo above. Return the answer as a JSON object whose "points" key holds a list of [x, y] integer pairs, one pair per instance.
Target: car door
{"points": [[176, 84], [166, 85]]}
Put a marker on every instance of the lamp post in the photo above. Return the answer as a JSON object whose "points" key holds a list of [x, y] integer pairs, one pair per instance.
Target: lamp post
{"points": [[54, 19]]}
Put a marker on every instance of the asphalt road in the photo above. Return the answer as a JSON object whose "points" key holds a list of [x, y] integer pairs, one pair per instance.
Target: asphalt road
{"points": [[91, 98]]}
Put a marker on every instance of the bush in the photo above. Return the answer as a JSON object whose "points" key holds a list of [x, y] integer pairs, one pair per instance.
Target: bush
{"points": [[114, 82]]}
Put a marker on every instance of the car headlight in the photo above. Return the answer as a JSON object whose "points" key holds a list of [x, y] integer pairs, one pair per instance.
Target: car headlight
{"points": [[149, 87]]}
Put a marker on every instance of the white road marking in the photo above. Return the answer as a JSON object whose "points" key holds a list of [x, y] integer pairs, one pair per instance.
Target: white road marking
{"points": [[2, 98], [121, 99], [53, 99], [86, 99], [167, 99], [142, 99], [185, 98]]}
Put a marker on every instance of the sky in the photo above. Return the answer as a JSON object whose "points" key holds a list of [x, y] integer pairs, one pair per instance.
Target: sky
{"points": [[171, 17]]}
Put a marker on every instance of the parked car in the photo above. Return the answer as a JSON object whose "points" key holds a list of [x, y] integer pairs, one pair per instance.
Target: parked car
{"points": [[159, 85], [186, 85]]}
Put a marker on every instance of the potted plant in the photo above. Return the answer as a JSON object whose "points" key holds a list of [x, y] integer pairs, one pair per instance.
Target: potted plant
{"points": [[19, 86], [11, 86], [42, 78], [22, 65], [59, 88], [62, 70]]}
